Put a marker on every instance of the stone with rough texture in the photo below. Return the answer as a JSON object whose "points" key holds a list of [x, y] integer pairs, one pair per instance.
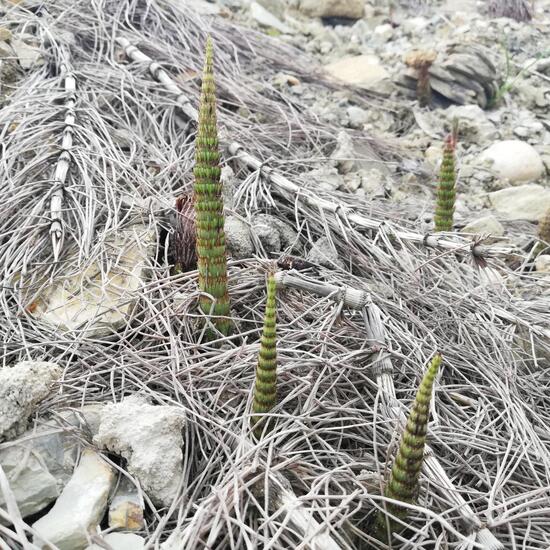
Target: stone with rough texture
{"points": [[121, 541], [523, 202], [21, 388], [149, 437], [352, 9], [324, 253], [514, 160], [364, 71], [80, 507], [238, 238], [274, 234], [27, 55], [487, 225], [100, 299]]}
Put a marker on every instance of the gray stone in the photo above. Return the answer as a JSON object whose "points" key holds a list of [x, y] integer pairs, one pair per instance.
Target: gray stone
{"points": [[121, 541], [357, 117], [353, 9], [80, 507], [97, 302], [327, 178], [486, 225], [523, 202], [273, 233], [364, 71], [150, 438], [324, 253], [513, 160], [22, 387], [238, 238], [267, 19]]}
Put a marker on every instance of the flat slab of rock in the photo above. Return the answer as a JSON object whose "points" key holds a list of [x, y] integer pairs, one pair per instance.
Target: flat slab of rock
{"points": [[121, 541], [513, 160], [22, 387], [523, 202], [267, 19], [96, 301], [80, 507], [150, 438], [364, 71], [486, 225]]}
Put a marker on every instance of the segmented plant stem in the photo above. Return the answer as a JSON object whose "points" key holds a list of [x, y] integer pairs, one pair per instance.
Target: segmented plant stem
{"points": [[265, 389], [446, 191], [211, 254], [403, 482]]}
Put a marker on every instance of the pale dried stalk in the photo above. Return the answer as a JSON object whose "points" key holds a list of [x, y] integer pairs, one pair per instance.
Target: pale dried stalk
{"points": [[63, 163], [346, 214]]}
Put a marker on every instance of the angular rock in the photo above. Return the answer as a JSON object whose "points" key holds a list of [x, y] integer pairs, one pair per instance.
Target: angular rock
{"points": [[267, 19], [120, 541], [80, 507], [238, 238], [523, 202], [513, 160], [149, 437], [324, 253], [22, 387], [274, 234], [33, 486], [27, 55], [487, 225], [126, 510], [352, 9], [357, 117], [363, 71], [327, 178], [96, 301]]}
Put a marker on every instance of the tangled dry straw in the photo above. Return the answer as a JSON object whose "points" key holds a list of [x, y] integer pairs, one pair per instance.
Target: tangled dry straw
{"points": [[131, 156]]}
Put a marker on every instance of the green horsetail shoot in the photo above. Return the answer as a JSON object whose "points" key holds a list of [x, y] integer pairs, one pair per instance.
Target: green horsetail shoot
{"points": [[265, 389], [211, 254], [403, 482]]}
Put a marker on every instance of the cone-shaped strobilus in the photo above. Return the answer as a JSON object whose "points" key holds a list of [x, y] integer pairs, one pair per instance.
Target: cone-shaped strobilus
{"points": [[403, 482], [265, 389], [446, 188], [211, 258]]}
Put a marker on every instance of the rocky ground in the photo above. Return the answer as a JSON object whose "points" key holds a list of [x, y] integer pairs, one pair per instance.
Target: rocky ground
{"points": [[492, 75]]}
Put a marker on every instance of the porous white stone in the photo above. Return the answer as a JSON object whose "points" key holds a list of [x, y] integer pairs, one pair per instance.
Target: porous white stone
{"points": [[523, 202], [150, 438], [80, 507], [542, 263], [513, 160], [21, 388]]}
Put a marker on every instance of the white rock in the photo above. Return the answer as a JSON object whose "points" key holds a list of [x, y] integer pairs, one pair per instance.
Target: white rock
{"points": [[364, 71], [238, 238], [97, 301], [383, 33], [523, 202], [121, 541], [487, 225], [542, 263], [514, 160], [414, 25], [27, 55], [21, 388], [149, 437], [267, 19], [354, 9], [327, 178], [80, 507]]}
